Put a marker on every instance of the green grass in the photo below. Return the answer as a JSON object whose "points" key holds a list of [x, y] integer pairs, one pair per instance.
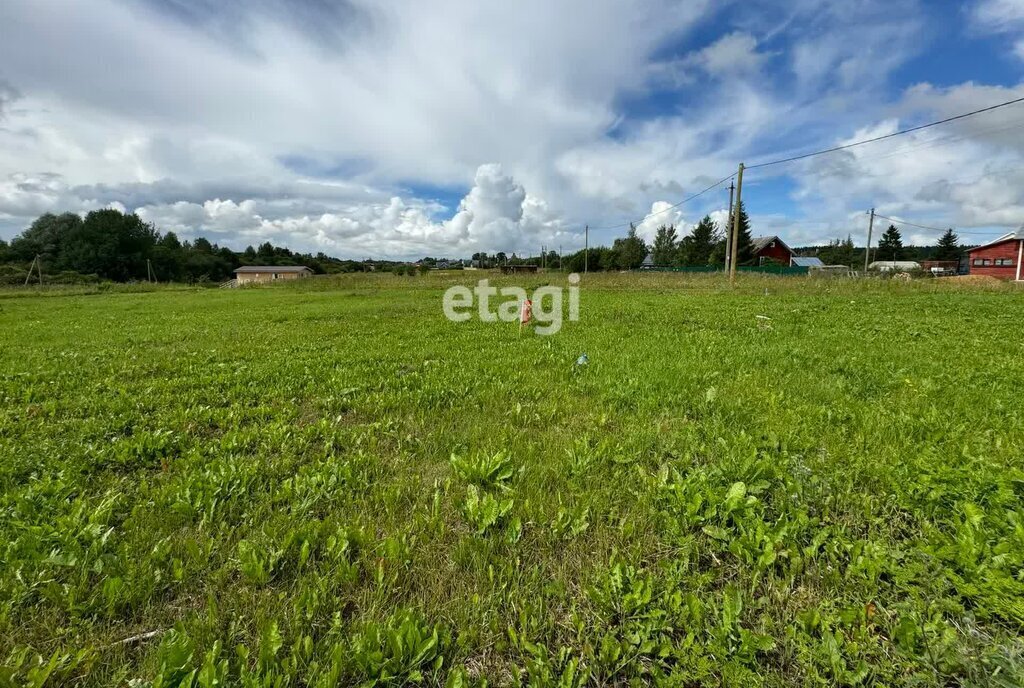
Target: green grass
{"points": [[327, 483]]}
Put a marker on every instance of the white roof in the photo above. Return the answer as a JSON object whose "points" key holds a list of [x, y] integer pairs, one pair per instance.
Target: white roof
{"points": [[894, 265], [273, 268], [1012, 236]]}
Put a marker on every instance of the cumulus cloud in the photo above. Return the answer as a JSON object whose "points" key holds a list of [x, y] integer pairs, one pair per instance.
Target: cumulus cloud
{"points": [[967, 174], [496, 214], [312, 124]]}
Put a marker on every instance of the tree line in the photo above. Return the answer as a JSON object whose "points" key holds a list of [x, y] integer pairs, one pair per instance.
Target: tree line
{"points": [[890, 247], [703, 246], [110, 245]]}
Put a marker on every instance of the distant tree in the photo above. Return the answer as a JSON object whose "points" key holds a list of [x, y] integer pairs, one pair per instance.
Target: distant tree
{"points": [[249, 253], [168, 258], [110, 244], [744, 252], [698, 246], [630, 251], [948, 247], [666, 245], [5, 251], [501, 258], [890, 246], [46, 238], [265, 252], [203, 245], [839, 252]]}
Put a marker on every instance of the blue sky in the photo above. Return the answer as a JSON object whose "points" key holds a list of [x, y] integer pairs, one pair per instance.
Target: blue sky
{"points": [[399, 128]]}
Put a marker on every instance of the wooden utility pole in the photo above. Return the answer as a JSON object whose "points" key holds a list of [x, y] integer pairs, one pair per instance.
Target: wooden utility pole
{"points": [[728, 233], [867, 249], [586, 248], [39, 271], [733, 250]]}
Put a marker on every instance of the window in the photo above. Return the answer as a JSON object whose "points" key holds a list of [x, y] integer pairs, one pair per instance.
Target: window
{"points": [[981, 262], [1004, 262]]}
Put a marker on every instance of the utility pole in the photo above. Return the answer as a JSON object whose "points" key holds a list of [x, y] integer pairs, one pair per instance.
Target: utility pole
{"points": [[733, 249], [586, 248], [559, 257], [28, 276], [39, 271], [867, 249], [728, 232]]}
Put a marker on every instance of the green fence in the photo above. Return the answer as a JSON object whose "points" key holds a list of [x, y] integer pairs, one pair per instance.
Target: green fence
{"points": [[776, 269], [689, 268]]}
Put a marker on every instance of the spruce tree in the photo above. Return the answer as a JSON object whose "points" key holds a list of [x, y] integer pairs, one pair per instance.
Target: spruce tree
{"points": [[890, 247], [744, 252], [948, 247]]}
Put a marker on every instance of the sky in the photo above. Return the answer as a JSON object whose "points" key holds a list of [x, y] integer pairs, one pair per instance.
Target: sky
{"points": [[402, 129]]}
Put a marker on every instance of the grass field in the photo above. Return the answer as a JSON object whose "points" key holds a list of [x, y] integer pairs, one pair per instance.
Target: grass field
{"points": [[328, 483]]}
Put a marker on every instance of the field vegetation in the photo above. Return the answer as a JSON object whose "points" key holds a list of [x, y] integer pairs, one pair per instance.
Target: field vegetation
{"points": [[785, 482]]}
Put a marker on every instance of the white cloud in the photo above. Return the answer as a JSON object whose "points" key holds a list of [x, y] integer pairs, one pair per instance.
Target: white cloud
{"points": [[497, 214], [998, 14], [260, 122], [1001, 17], [968, 174], [730, 54]]}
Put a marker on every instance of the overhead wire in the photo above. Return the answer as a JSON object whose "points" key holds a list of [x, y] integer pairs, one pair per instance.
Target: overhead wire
{"points": [[671, 207], [902, 132], [943, 141], [933, 229], [938, 141]]}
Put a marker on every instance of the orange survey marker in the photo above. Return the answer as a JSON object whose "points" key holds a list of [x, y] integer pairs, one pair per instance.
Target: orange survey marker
{"points": [[525, 313]]}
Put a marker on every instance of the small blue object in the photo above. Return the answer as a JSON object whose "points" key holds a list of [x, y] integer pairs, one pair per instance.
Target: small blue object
{"points": [[582, 360]]}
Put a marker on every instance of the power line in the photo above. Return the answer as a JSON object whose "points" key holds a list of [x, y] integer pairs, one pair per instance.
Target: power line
{"points": [[945, 140], [886, 136], [936, 141], [912, 224], [933, 229], [671, 207]]}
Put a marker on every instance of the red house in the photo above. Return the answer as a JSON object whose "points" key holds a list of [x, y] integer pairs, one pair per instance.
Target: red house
{"points": [[771, 249], [1000, 258]]}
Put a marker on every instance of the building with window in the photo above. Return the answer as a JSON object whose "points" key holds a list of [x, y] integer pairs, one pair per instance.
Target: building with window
{"points": [[1000, 258], [770, 249], [268, 273]]}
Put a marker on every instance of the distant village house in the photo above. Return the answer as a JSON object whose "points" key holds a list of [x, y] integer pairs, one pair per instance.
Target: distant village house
{"points": [[771, 249], [248, 274], [1000, 258]]}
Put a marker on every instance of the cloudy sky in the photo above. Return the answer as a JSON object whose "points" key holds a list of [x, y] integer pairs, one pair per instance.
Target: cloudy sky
{"points": [[402, 128]]}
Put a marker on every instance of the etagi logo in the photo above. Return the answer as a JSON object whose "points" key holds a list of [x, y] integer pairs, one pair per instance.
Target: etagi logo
{"points": [[546, 304]]}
